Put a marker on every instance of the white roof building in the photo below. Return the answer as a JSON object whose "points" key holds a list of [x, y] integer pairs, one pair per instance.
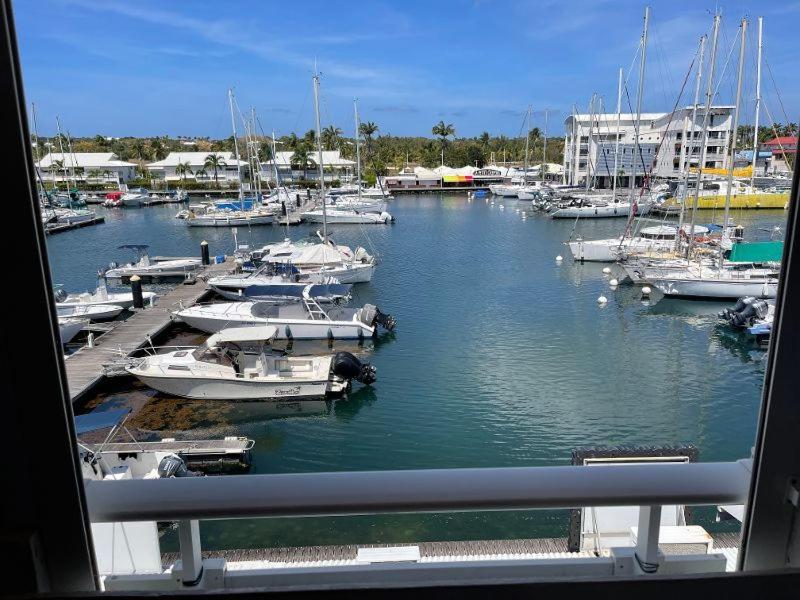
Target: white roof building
{"points": [[335, 165], [86, 166], [166, 169]]}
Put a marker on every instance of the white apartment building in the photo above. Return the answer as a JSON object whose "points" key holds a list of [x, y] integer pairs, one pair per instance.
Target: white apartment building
{"points": [[668, 144], [227, 171], [336, 167], [89, 167]]}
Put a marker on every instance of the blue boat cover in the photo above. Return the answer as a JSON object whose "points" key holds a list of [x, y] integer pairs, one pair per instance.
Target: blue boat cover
{"points": [[100, 420]]}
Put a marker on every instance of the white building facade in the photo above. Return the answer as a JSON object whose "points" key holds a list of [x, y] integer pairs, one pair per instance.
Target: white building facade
{"points": [[85, 167], [669, 144], [335, 167], [196, 169]]}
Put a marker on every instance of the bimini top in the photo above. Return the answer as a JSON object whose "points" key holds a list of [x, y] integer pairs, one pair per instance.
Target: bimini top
{"points": [[242, 334], [100, 420], [133, 247], [757, 252]]}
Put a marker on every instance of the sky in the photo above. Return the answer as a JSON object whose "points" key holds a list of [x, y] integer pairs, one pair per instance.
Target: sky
{"points": [[144, 68]]}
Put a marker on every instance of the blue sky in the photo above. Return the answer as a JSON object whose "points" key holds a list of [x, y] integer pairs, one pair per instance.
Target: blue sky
{"points": [[162, 68]]}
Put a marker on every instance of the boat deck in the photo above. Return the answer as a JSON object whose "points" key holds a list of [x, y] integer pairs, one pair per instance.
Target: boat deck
{"points": [[226, 452], [85, 367]]}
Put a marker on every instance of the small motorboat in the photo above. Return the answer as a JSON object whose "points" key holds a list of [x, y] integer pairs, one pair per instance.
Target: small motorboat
{"points": [[305, 320], [144, 267], [277, 282], [69, 328], [347, 217], [325, 258], [100, 297], [238, 364], [135, 198], [93, 312]]}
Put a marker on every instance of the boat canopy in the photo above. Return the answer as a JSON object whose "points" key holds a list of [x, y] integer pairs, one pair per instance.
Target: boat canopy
{"points": [[242, 334], [316, 254], [757, 252], [100, 420]]}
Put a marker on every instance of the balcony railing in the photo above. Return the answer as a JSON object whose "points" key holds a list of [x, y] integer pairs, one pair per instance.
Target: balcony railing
{"points": [[649, 486]]}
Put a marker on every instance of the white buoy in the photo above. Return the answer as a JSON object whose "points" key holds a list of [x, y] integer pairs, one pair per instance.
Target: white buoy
{"points": [[646, 291], [602, 299], [502, 207], [559, 258], [606, 270], [613, 283]]}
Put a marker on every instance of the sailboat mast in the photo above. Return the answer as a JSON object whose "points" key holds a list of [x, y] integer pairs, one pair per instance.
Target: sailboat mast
{"points": [[358, 147], [616, 143], [275, 158], [758, 101], [639, 93], [236, 150], [589, 144], [543, 169], [704, 136], [736, 112], [63, 158], [527, 143], [320, 168], [690, 139]]}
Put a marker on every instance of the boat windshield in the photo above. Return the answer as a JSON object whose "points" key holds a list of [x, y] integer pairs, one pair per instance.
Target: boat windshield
{"points": [[214, 356]]}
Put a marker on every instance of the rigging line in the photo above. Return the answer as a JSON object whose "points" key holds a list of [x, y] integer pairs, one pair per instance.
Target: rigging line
{"points": [[775, 85]]}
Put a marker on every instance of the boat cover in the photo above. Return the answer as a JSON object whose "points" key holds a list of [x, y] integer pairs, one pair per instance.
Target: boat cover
{"points": [[243, 334], [757, 252], [100, 420], [296, 291]]}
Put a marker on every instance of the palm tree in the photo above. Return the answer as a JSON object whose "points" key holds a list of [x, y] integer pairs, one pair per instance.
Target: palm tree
{"points": [[183, 169], [330, 137], [485, 138], [301, 158], [200, 173], [57, 166], [158, 149], [443, 131], [215, 162], [368, 129], [138, 148], [94, 174], [100, 142], [292, 141]]}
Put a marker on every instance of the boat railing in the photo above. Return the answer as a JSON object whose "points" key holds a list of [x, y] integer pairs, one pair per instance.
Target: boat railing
{"points": [[650, 486]]}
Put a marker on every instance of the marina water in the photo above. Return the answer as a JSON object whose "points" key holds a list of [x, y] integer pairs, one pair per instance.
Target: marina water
{"points": [[501, 358]]}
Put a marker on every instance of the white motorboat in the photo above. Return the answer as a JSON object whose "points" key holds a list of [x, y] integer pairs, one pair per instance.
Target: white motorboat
{"points": [[505, 190], [347, 217], [237, 364], [71, 216], [93, 312], [532, 191], [143, 267], [326, 259], [596, 208], [376, 192], [658, 238], [348, 202], [69, 328], [265, 286], [229, 218], [135, 198], [305, 320], [100, 297]]}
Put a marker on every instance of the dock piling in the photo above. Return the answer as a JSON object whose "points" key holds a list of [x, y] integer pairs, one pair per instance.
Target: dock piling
{"points": [[204, 253], [136, 290]]}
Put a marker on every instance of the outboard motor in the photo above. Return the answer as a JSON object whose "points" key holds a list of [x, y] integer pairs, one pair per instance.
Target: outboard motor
{"points": [[372, 316], [347, 366], [756, 309], [740, 305], [60, 295], [173, 465]]}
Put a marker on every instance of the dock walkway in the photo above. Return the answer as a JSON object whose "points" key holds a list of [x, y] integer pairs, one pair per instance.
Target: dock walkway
{"points": [[85, 367]]}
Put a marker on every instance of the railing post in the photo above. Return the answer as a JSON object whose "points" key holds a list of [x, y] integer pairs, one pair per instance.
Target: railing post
{"points": [[191, 556], [647, 538]]}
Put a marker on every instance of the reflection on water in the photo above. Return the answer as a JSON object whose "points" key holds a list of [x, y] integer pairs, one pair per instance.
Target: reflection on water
{"points": [[502, 357]]}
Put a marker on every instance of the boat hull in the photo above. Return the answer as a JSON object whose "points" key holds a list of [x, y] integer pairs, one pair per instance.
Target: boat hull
{"points": [[222, 221], [715, 288], [288, 329], [198, 388]]}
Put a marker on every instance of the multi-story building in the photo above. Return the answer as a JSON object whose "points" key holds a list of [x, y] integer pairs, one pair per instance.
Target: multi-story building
{"points": [[669, 144]]}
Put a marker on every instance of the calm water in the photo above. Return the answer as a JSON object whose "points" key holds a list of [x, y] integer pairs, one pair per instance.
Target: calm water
{"points": [[502, 357]]}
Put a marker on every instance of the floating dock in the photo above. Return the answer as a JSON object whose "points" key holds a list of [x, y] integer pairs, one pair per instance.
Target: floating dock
{"points": [[52, 228], [85, 368]]}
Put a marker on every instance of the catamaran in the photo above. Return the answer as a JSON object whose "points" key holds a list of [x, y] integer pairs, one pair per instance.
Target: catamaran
{"points": [[237, 364], [305, 320]]}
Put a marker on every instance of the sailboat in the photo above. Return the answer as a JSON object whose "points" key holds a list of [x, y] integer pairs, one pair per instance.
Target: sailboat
{"points": [[358, 212]]}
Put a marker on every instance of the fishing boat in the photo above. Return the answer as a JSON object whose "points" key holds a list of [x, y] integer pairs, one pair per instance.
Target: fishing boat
{"points": [[93, 312], [649, 239], [238, 364], [68, 328], [144, 267], [285, 285], [305, 320], [100, 297]]}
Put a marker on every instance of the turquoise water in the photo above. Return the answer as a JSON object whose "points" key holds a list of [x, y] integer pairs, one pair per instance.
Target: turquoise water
{"points": [[501, 357]]}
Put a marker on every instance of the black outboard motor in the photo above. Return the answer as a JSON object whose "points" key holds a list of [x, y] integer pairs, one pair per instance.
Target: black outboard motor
{"points": [[60, 295], [347, 366], [371, 315], [174, 466], [746, 311], [728, 313]]}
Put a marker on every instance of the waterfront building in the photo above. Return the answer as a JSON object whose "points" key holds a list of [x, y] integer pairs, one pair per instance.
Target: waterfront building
{"points": [[86, 167], [335, 167], [668, 144], [783, 151], [196, 169]]}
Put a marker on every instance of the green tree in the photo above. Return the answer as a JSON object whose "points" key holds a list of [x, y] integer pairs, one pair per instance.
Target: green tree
{"points": [[302, 158], [158, 149], [214, 162], [183, 169], [330, 137], [368, 129]]}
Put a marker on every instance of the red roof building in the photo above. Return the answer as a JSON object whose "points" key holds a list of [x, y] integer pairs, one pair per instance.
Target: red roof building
{"points": [[781, 145]]}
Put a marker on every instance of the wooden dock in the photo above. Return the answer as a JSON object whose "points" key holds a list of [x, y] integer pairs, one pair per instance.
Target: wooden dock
{"points": [[53, 228], [85, 367]]}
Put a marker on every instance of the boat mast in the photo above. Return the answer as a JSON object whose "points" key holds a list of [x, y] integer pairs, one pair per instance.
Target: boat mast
{"points": [[63, 158], [527, 145], [320, 168], [758, 102], [639, 93], [542, 168], [704, 136], [690, 140], [616, 143], [589, 143], [275, 159], [236, 150], [358, 147], [736, 112]]}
